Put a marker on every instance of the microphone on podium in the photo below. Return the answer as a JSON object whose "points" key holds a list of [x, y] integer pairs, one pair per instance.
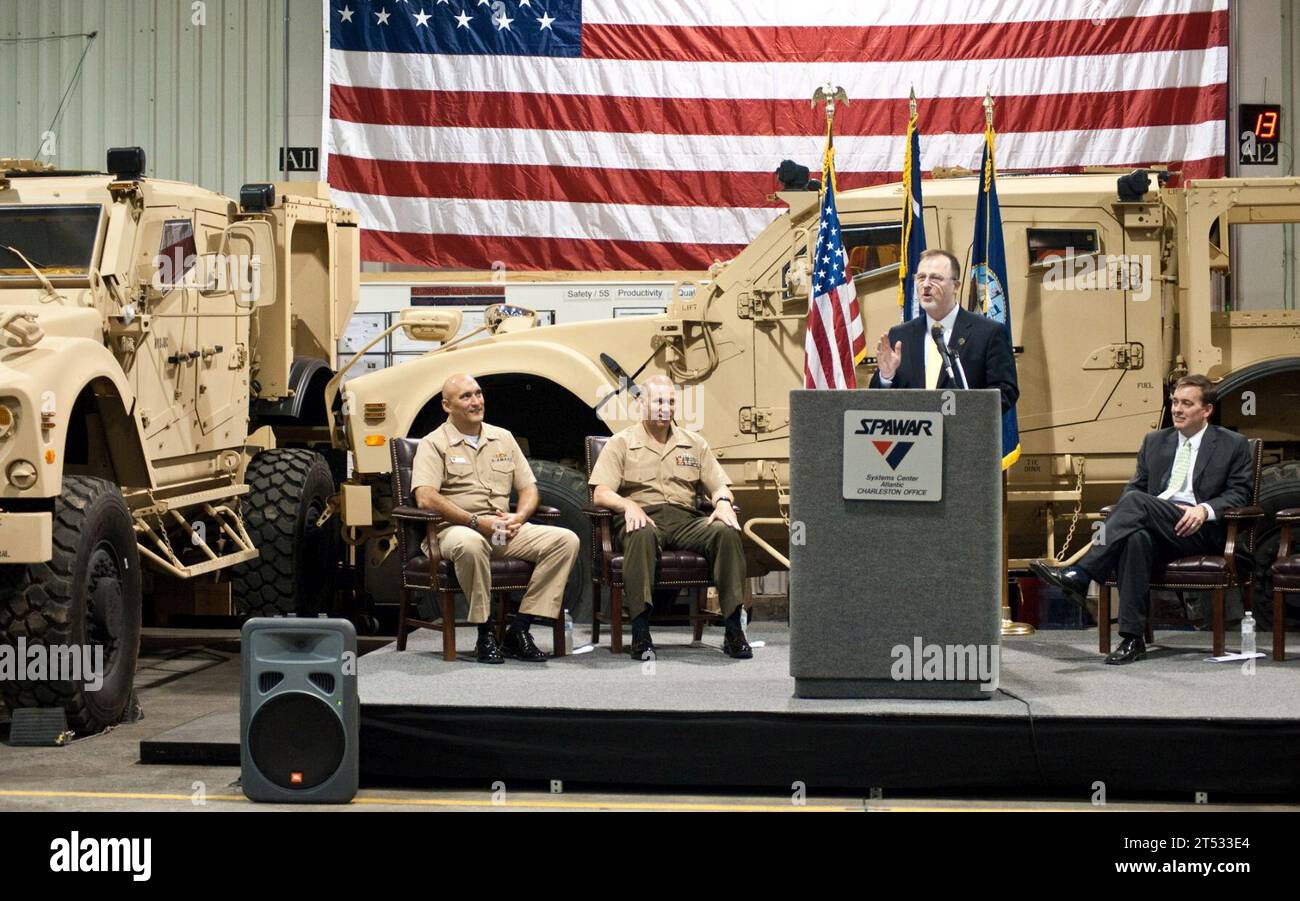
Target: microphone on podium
{"points": [[936, 332]]}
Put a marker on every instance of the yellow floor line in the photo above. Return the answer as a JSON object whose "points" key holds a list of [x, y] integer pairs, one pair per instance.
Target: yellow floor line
{"points": [[683, 806], [611, 805], [129, 796], [450, 802]]}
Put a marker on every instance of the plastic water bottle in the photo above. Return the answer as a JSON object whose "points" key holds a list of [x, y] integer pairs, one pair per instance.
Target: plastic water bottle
{"points": [[499, 531], [568, 633], [1248, 634]]}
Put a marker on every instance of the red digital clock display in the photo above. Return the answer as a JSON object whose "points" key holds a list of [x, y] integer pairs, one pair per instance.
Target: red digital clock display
{"points": [[1259, 128]]}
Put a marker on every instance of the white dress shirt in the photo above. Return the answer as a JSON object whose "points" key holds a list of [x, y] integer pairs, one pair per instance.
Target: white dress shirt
{"points": [[1185, 493], [947, 323]]}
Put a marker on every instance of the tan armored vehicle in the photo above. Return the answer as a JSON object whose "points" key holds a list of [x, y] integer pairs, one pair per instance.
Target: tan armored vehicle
{"points": [[147, 328], [1112, 296]]}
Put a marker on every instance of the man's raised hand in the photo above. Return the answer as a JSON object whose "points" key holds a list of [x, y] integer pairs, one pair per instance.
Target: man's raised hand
{"points": [[888, 358]]}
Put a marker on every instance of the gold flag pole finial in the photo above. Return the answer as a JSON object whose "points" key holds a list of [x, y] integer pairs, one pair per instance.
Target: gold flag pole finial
{"points": [[911, 105], [830, 95]]}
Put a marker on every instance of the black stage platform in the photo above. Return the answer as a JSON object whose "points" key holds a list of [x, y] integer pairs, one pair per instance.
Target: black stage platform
{"points": [[1060, 721]]}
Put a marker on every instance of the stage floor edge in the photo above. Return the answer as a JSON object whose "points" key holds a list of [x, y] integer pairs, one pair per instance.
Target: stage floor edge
{"points": [[1062, 725]]}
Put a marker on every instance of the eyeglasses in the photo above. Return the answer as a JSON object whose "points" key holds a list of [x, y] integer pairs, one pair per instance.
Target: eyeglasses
{"points": [[923, 277]]}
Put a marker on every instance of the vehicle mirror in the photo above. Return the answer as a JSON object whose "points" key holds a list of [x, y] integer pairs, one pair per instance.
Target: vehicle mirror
{"points": [[245, 265], [211, 274], [423, 324], [502, 317]]}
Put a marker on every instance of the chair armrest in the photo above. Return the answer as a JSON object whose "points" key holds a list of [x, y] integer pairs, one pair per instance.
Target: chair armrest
{"points": [[1107, 510], [704, 505], [1243, 513], [544, 513], [415, 514], [602, 538], [1290, 514]]}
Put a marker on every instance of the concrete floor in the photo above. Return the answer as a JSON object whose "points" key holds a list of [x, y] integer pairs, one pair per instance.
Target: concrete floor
{"points": [[179, 681]]}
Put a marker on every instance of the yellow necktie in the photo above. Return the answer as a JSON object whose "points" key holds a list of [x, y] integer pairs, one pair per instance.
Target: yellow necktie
{"points": [[933, 365], [1178, 475]]}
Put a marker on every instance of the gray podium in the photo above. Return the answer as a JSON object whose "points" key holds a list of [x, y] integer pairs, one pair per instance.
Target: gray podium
{"points": [[895, 581]]}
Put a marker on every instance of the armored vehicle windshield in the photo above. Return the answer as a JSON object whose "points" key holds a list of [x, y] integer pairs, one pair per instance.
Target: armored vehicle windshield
{"points": [[58, 240]]}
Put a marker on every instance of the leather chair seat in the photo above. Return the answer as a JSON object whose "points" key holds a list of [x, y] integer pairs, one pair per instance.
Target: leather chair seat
{"points": [[674, 567], [1286, 573], [507, 573], [1202, 571]]}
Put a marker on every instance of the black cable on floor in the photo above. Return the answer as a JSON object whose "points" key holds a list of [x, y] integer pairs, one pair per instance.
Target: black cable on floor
{"points": [[1033, 734]]}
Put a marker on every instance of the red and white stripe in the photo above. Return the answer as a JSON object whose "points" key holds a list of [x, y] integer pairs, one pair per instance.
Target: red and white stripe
{"points": [[655, 150], [832, 340]]}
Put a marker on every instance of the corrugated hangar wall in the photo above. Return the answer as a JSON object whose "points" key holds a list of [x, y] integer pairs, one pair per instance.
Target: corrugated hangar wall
{"points": [[198, 83]]}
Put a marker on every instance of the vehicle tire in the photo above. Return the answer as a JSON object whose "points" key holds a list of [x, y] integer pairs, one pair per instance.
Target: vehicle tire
{"points": [[88, 595], [295, 571], [565, 488], [1279, 488]]}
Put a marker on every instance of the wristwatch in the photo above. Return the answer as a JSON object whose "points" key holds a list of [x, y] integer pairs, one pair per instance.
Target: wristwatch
{"points": [[473, 520], [725, 498]]}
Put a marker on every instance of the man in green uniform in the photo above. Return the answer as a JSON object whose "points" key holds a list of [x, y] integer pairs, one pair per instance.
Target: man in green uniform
{"points": [[647, 474]]}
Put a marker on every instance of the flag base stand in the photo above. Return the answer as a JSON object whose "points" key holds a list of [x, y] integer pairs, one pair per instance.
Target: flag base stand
{"points": [[1011, 628]]}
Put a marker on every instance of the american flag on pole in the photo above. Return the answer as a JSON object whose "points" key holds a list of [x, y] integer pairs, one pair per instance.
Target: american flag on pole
{"points": [[643, 134], [834, 339]]}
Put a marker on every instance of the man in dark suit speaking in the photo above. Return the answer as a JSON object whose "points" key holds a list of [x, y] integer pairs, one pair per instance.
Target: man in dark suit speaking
{"points": [[1173, 507], [979, 350]]}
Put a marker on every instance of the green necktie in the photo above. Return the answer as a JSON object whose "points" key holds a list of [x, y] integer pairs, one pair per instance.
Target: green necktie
{"points": [[1179, 476]]}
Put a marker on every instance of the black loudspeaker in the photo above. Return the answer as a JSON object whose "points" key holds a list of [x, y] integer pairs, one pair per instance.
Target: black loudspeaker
{"points": [[298, 710]]}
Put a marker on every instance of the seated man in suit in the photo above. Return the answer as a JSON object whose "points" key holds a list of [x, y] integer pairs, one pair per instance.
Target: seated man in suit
{"points": [[981, 352], [1186, 477], [465, 470], [647, 474]]}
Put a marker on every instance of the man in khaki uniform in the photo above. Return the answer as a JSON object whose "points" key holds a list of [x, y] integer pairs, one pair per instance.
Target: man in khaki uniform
{"points": [[465, 470], [647, 474]]}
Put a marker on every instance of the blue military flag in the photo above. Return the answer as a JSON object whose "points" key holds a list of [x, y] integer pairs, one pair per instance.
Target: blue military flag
{"points": [[989, 277], [913, 242]]}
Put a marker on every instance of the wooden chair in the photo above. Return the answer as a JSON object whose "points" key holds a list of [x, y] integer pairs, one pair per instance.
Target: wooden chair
{"points": [[676, 569], [1203, 573], [418, 571], [1286, 578]]}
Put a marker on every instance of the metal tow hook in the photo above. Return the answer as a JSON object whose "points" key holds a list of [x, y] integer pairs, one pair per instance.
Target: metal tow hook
{"points": [[330, 509]]}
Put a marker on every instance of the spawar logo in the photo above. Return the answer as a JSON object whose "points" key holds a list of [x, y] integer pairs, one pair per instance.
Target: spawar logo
{"points": [[893, 451]]}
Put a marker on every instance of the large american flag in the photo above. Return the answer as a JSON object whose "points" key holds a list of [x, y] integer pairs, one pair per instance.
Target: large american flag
{"points": [[644, 134]]}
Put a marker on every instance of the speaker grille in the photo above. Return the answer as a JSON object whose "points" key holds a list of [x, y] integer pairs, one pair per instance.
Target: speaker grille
{"points": [[323, 681], [267, 681], [296, 741]]}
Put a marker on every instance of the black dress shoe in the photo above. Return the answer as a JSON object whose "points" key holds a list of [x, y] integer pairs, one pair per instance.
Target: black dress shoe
{"points": [[735, 645], [1072, 580], [486, 651], [519, 646], [642, 648], [1129, 649]]}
